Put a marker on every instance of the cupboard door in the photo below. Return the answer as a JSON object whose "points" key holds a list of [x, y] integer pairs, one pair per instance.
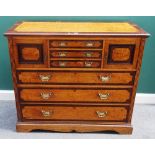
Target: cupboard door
{"points": [[121, 53], [30, 53]]}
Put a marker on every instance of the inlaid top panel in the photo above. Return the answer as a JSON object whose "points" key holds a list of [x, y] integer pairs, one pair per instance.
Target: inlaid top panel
{"points": [[75, 28]]}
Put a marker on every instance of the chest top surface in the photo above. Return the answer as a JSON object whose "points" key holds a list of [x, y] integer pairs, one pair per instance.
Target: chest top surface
{"points": [[76, 28]]}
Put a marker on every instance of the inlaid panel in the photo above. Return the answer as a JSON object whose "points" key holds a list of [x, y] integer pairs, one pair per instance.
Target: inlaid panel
{"points": [[121, 53], [30, 53]]}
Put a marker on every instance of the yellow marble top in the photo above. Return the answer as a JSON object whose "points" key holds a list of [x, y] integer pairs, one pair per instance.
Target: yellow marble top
{"points": [[76, 27]]}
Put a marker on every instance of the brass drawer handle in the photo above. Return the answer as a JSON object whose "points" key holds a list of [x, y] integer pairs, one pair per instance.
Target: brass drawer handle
{"points": [[45, 96], [88, 54], [45, 78], [103, 96], [62, 54], [101, 113], [62, 44], [105, 78], [89, 44], [62, 64], [46, 113], [88, 64]]}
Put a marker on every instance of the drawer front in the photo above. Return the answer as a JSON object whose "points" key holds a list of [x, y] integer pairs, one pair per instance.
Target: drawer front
{"points": [[78, 43], [75, 95], [75, 64], [75, 113], [63, 77], [75, 54]]}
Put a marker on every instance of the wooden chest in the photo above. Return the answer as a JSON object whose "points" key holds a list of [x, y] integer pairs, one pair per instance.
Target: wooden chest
{"points": [[74, 76]]}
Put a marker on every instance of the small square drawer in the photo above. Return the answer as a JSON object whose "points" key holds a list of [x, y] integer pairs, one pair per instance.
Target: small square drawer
{"points": [[76, 44], [75, 64]]}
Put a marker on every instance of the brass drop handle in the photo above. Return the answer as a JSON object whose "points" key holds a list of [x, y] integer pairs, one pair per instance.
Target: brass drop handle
{"points": [[105, 78], [103, 96], [45, 96], [62, 44], [101, 113], [46, 113], [62, 64], [62, 54], [88, 64], [88, 54], [44, 78], [89, 44]]}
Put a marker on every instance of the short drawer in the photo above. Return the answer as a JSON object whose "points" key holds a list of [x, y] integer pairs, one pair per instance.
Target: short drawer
{"points": [[75, 77], [75, 95], [75, 64], [97, 113], [75, 54], [76, 43]]}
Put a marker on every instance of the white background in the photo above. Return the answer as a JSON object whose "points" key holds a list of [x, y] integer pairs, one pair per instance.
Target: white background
{"points": [[77, 8]]}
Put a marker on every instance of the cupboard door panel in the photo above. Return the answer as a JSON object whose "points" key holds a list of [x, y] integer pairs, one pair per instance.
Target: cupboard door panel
{"points": [[121, 53], [30, 53]]}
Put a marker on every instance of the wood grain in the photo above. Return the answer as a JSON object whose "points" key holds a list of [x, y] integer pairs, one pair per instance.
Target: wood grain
{"points": [[120, 54], [74, 127], [14, 78], [75, 54], [30, 77], [76, 95], [139, 64], [53, 83], [74, 113], [76, 44], [75, 64], [30, 53], [123, 59]]}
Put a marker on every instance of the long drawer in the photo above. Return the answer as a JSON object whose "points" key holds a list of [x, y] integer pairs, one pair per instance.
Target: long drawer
{"points": [[75, 54], [75, 77], [76, 43], [75, 113], [75, 95], [75, 64]]}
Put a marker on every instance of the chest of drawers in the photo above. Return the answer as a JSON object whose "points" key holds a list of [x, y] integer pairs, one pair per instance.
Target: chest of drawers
{"points": [[72, 76]]}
